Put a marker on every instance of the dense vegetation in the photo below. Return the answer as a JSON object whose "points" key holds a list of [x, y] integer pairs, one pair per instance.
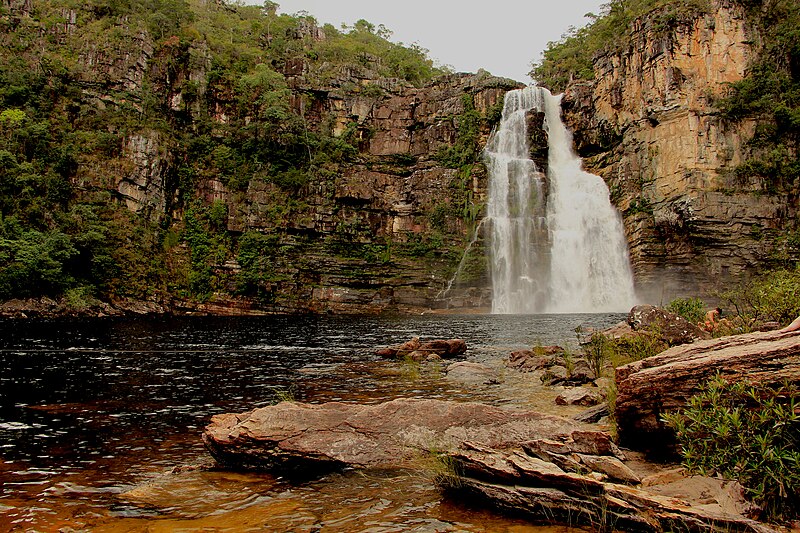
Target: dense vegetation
{"points": [[70, 107], [749, 433]]}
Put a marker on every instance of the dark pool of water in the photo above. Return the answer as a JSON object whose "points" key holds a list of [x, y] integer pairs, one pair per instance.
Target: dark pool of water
{"points": [[93, 413]]}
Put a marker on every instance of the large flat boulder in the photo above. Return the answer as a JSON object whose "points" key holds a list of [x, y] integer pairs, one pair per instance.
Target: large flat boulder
{"points": [[299, 436], [663, 383]]}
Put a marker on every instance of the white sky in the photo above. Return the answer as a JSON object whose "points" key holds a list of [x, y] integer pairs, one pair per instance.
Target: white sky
{"points": [[501, 36]]}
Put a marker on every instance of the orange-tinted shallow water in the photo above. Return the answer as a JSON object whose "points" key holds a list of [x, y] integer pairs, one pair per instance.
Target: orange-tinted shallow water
{"points": [[100, 421]]}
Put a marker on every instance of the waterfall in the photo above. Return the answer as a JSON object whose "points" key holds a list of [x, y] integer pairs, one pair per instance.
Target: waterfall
{"points": [[556, 243]]}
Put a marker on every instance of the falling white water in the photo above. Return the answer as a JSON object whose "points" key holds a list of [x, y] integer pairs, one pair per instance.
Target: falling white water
{"points": [[557, 244]]}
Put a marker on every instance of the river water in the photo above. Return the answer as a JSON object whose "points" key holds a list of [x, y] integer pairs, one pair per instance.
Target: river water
{"points": [[100, 420]]}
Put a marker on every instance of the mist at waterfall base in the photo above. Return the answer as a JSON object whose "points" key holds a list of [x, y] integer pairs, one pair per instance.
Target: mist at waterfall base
{"points": [[557, 244]]}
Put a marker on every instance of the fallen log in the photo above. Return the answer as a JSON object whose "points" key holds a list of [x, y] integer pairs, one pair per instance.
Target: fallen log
{"points": [[649, 388]]}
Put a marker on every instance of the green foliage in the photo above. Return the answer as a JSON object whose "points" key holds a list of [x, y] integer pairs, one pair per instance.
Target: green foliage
{"points": [[256, 258], [692, 309], [772, 296], [209, 247], [746, 432], [468, 126], [571, 58], [67, 126], [368, 47], [636, 348], [770, 93], [598, 352], [33, 263]]}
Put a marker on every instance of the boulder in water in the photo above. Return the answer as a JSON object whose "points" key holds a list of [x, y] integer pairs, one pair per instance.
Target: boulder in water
{"points": [[419, 350], [293, 436], [535, 359]]}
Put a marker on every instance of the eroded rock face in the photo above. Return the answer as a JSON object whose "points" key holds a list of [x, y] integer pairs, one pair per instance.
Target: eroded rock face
{"points": [[553, 482], [297, 436], [647, 125]]}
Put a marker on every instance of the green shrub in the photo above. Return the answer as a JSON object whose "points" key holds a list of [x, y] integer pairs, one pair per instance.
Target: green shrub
{"points": [[692, 309], [598, 352], [636, 348], [746, 432], [772, 296]]}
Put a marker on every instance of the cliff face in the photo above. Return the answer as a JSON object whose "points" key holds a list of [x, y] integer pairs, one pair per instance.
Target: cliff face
{"points": [[647, 124], [268, 175], [386, 230], [382, 231]]}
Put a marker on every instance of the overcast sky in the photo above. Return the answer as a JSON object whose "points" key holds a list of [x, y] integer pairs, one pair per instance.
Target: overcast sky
{"points": [[501, 36]]}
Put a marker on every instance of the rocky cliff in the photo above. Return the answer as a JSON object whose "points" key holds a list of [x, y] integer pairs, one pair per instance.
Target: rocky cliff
{"points": [[649, 125], [386, 230], [216, 157]]}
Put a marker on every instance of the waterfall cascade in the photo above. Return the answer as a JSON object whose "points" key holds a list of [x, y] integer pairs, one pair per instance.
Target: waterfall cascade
{"points": [[556, 243]]}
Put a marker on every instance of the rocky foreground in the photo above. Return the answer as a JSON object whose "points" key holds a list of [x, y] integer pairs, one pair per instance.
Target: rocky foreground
{"points": [[548, 467], [649, 388]]}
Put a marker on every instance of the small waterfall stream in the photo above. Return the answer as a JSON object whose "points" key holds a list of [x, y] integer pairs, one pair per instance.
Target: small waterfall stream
{"points": [[556, 243]]}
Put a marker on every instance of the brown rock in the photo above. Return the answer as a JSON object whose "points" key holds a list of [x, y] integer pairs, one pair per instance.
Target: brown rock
{"points": [[513, 481], [536, 359], [671, 328], [612, 467], [663, 383], [418, 351], [312, 438], [579, 396]]}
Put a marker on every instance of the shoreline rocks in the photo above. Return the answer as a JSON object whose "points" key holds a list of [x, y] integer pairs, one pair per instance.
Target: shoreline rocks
{"points": [[649, 388], [555, 482]]}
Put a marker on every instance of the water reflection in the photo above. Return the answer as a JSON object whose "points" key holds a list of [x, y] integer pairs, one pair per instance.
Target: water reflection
{"points": [[94, 413]]}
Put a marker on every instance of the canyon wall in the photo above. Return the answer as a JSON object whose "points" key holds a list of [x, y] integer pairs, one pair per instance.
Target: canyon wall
{"points": [[648, 125]]}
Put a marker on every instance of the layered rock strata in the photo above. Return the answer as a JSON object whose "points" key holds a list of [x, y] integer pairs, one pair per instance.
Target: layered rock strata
{"points": [[661, 384], [648, 126]]}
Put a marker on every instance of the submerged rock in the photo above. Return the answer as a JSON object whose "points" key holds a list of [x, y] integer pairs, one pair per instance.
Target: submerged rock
{"points": [[471, 373]]}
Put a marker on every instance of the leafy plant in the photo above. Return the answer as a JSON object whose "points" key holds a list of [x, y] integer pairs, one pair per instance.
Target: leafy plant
{"points": [[598, 352], [692, 309], [746, 432], [772, 296]]}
